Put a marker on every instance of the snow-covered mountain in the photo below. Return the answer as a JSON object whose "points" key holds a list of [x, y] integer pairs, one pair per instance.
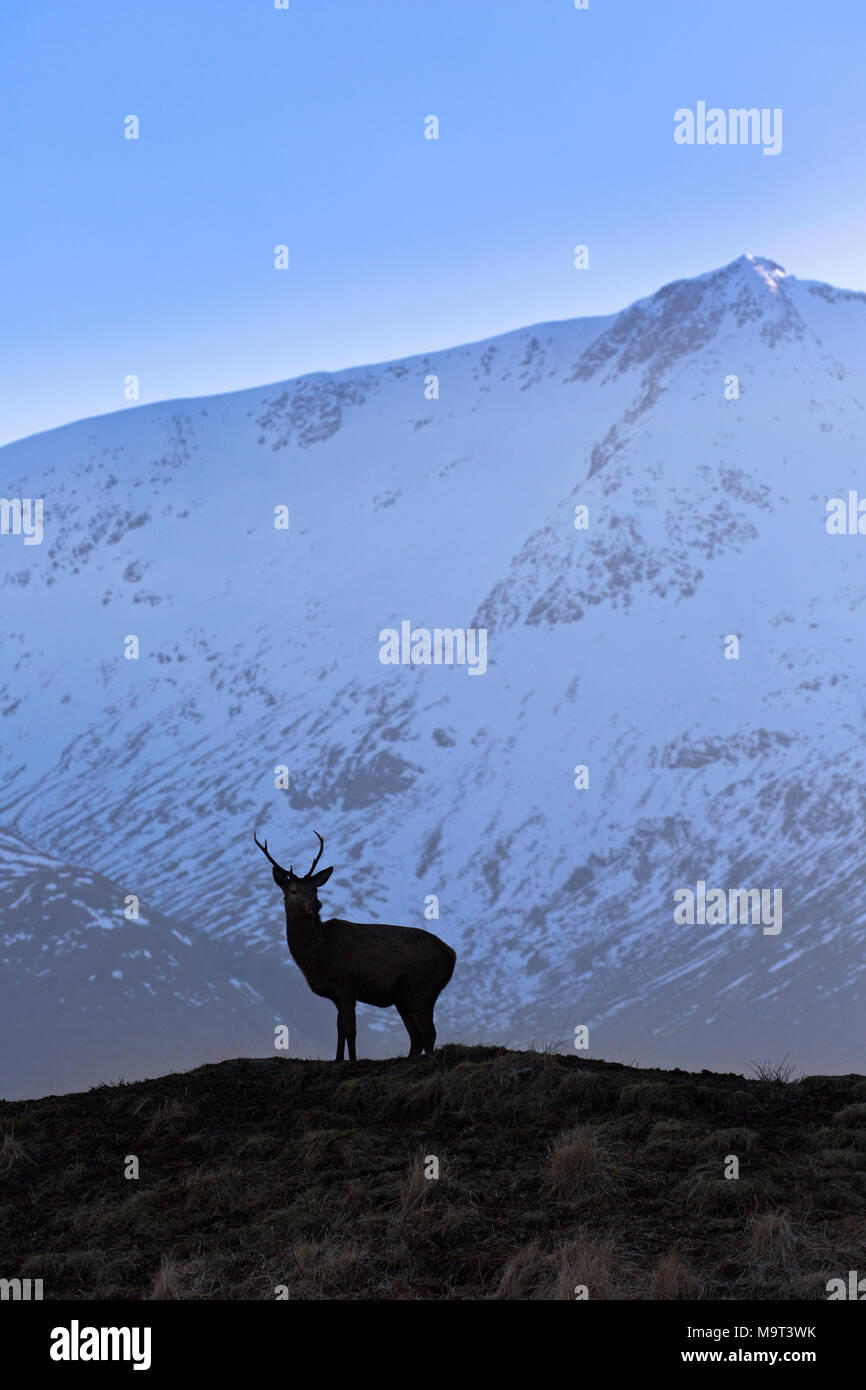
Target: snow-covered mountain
{"points": [[259, 649]]}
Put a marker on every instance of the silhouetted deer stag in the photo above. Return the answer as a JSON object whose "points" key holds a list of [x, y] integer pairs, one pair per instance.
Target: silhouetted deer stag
{"points": [[347, 962]]}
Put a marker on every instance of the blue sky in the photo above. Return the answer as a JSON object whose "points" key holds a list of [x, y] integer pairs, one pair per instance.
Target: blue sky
{"points": [[306, 127]]}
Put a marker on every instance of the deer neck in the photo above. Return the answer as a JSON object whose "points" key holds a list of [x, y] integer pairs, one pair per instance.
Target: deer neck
{"points": [[302, 933]]}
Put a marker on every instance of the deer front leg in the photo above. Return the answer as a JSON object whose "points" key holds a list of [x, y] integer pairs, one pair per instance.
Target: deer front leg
{"points": [[346, 1027]]}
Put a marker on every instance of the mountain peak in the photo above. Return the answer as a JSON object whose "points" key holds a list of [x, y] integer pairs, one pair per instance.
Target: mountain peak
{"points": [[769, 271]]}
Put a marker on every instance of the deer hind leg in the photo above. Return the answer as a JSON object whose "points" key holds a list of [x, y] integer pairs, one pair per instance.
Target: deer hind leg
{"points": [[423, 1012], [416, 1041]]}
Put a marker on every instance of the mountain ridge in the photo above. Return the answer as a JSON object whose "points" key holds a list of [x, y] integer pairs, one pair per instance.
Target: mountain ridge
{"points": [[744, 260]]}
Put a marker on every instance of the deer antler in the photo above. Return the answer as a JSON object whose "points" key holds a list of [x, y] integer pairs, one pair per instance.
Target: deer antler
{"points": [[309, 873], [266, 852]]}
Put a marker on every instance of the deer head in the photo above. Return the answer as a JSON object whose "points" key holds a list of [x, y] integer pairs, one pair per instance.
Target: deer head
{"points": [[301, 895]]}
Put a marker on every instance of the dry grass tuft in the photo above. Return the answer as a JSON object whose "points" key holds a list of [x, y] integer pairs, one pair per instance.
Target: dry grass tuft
{"points": [[584, 1267], [418, 1187], [772, 1238], [672, 1279], [574, 1161], [166, 1280], [776, 1073], [12, 1153], [581, 1267]]}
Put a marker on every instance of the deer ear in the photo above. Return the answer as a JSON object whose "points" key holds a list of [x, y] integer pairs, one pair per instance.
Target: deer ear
{"points": [[321, 877]]}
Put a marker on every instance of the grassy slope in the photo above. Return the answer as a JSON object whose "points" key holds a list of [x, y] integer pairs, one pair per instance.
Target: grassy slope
{"points": [[554, 1172]]}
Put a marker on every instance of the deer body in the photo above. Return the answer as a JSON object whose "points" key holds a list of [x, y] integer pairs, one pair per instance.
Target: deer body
{"points": [[351, 962]]}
